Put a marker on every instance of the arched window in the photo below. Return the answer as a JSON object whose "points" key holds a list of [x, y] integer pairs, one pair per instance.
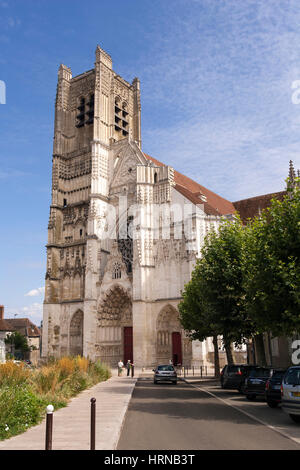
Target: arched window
{"points": [[116, 274], [121, 116], [125, 243]]}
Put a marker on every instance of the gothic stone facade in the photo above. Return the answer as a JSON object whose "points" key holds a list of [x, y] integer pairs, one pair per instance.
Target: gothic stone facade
{"points": [[115, 297]]}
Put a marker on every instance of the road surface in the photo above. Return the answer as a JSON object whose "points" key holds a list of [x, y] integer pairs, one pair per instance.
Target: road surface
{"points": [[184, 417]]}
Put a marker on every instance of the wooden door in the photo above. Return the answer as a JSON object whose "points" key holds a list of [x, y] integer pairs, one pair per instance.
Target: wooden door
{"points": [[128, 344], [176, 348]]}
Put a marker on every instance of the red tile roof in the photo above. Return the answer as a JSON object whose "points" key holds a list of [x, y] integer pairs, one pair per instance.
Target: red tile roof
{"points": [[4, 326], [251, 207], [214, 204], [18, 324]]}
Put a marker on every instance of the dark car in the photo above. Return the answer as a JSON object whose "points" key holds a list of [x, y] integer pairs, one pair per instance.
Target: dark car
{"points": [[233, 376], [255, 383], [165, 373], [272, 391]]}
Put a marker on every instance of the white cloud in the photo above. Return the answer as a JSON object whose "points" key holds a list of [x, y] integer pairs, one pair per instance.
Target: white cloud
{"points": [[233, 158], [33, 311], [11, 173], [35, 292], [222, 71]]}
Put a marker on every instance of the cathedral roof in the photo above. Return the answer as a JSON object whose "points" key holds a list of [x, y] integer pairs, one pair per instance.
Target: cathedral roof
{"points": [[252, 206], [214, 204]]}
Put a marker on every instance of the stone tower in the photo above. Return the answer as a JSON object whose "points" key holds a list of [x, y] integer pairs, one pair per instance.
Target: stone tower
{"points": [[110, 295], [93, 112]]}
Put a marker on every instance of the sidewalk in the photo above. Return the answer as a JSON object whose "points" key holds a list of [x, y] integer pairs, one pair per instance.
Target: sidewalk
{"points": [[71, 425], [198, 379]]}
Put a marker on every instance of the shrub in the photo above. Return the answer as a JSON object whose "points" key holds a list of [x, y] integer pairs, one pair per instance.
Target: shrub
{"points": [[66, 366], [25, 393], [46, 379], [20, 409], [13, 374], [82, 363], [101, 370]]}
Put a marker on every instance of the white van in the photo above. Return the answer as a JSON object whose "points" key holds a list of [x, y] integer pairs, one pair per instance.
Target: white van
{"points": [[290, 393]]}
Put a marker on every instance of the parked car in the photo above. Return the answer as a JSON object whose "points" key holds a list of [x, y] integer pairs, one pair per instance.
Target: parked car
{"points": [[290, 393], [273, 388], [233, 376], [255, 383], [165, 373]]}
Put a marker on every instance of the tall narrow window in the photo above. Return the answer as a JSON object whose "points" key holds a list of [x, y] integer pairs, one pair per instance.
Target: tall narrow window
{"points": [[124, 119], [121, 117], [80, 118], [125, 245], [90, 111]]}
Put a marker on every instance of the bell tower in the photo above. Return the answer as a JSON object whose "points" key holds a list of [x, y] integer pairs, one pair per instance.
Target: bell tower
{"points": [[93, 111]]}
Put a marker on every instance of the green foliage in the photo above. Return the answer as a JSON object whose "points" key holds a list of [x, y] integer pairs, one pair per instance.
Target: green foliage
{"points": [[20, 409], [213, 301], [272, 267], [18, 340], [24, 393], [247, 280]]}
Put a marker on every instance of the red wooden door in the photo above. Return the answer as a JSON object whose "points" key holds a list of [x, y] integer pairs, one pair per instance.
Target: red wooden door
{"points": [[128, 344], [176, 348]]}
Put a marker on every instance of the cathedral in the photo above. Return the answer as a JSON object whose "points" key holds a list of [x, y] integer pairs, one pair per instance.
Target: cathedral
{"points": [[124, 230]]}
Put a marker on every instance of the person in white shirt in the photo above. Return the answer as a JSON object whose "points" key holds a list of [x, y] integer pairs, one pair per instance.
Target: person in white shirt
{"points": [[120, 367]]}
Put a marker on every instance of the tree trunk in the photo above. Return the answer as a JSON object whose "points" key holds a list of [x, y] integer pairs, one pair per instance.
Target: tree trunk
{"points": [[216, 356], [260, 350], [228, 349]]}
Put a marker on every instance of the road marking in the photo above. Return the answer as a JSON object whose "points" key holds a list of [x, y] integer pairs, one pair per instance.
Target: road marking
{"points": [[273, 428]]}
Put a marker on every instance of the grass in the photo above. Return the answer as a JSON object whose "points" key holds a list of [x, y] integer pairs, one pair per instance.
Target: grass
{"points": [[25, 393]]}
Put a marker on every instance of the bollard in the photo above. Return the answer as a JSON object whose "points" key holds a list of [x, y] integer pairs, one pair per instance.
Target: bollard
{"points": [[49, 427], [93, 423], [193, 371]]}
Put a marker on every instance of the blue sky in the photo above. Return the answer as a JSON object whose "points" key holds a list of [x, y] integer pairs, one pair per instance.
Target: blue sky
{"points": [[216, 80]]}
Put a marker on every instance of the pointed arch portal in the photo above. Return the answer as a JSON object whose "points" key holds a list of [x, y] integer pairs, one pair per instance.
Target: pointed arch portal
{"points": [[114, 338], [171, 342], [76, 334]]}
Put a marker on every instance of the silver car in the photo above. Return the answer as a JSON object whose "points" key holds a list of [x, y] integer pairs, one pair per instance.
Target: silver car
{"points": [[165, 373], [290, 393]]}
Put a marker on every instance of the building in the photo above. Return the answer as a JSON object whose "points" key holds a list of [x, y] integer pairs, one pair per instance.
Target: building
{"points": [[26, 328], [111, 293], [124, 230]]}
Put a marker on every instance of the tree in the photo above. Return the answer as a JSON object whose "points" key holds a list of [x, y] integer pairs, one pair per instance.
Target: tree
{"points": [[213, 301], [19, 341], [194, 312], [272, 267]]}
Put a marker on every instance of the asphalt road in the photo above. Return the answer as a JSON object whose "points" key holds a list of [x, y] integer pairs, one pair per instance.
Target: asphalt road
{"points": [[184, 417]]}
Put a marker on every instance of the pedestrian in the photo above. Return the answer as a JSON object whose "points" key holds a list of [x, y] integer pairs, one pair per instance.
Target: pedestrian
{"points": [[120, 367], [128, 367]]}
